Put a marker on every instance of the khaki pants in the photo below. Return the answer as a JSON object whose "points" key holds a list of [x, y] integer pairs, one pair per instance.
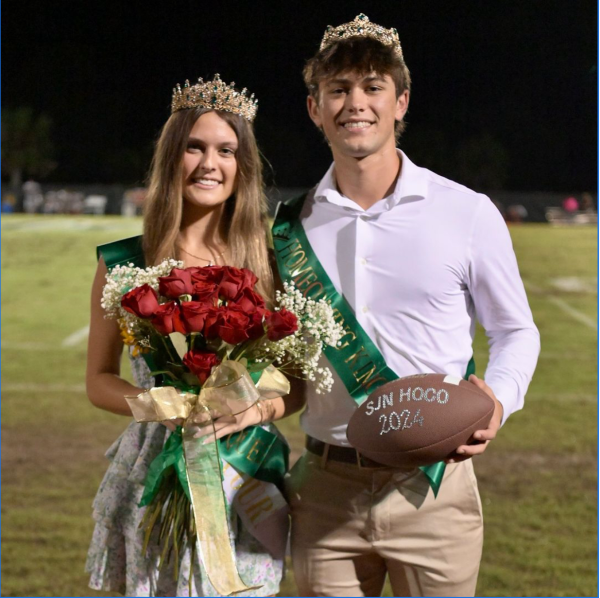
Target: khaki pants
{"points": [[351, 526]]}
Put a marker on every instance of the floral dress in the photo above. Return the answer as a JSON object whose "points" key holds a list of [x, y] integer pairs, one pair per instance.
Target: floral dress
{"points": [[115, 559]]}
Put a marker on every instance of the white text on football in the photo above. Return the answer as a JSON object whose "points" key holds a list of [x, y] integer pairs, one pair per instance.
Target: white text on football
{"points": [[393, 421], [410, 394]]}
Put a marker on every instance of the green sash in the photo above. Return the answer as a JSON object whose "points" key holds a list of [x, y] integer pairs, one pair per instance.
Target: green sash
{"points": [[125, 251], [254, 451], [357, 360]]}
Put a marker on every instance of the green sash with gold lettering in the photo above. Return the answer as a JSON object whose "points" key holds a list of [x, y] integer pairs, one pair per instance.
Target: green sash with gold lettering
{"points": [[357, 361]]}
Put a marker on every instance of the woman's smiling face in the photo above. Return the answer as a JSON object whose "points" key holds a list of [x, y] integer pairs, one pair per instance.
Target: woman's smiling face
{"points": [[209, 162]]}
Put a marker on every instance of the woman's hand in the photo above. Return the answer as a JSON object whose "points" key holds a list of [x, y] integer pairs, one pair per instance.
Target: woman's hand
{"points": [[172, 424], [257, 413], [223, 425]]}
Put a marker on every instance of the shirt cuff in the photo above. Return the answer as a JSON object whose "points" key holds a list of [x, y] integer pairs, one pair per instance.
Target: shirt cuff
{"points": [[507, 392]]}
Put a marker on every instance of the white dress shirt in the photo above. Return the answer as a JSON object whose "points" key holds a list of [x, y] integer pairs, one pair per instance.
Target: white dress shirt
{"points": [[418, 268]]}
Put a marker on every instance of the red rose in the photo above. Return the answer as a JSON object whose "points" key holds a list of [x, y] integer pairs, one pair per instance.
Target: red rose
{"points": [[280, 324], [141, 301], [178, 283], [205, 291], [234, 281], [233, 325], [167, 319], [212, 321], [201, 363], [256, 329], [250, 301], [193, 314], [250, 279], [212, 274]]}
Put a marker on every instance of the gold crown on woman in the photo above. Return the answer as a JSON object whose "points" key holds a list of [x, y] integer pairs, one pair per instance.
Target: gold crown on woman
{"points": [[215, 95], [362, 27]]}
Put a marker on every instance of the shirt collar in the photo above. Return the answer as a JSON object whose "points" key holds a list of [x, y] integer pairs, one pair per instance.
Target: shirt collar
{"points": [[412, 183]]}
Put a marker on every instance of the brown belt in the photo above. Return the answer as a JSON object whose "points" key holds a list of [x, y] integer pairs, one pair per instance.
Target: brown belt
{"points": [[344, 454]]}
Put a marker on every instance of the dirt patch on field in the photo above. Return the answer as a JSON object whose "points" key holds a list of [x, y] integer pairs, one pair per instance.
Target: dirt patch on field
{"points": [[515, 474], [46, 449], [42, 450], [496, 462]]}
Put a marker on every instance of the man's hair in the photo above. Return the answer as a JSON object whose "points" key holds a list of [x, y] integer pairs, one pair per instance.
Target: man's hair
{"points": [[362, 55]]}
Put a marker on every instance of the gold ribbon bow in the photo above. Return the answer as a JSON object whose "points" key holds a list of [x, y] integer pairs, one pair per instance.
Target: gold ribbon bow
{"points": [[228, 390]]}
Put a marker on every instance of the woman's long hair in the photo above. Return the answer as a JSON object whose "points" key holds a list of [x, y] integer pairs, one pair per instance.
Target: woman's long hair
{"points": [[245, 211]]}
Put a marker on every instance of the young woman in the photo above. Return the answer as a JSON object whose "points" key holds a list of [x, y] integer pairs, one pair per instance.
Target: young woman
{"points": [[205, 205]]}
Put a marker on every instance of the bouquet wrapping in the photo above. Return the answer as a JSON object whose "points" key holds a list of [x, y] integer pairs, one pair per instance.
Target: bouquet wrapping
{"points": [[209, 338]]}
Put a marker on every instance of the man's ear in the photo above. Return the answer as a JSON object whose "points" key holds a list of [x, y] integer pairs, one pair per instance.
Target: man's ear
{"points": [[313, 110], [402, 105]]}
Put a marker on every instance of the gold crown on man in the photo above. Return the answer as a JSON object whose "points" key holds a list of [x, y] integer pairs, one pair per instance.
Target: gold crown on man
{"points": [[215, 95], [362, 27]]}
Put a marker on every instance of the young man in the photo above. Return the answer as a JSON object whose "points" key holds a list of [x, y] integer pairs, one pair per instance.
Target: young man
{"points": [[415, 258]]}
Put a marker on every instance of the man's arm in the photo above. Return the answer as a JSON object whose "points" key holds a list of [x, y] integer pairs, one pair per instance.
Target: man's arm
{"points": [[502, 309]]}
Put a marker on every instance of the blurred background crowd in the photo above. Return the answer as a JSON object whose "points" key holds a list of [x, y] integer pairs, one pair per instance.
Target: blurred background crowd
{"points": [[503, 99]]}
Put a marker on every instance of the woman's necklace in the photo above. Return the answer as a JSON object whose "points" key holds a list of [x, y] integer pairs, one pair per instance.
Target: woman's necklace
{"points": [[210, 261]]}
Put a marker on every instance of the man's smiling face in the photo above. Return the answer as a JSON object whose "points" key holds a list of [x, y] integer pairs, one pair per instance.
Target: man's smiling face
{"points": [[358, 112]]}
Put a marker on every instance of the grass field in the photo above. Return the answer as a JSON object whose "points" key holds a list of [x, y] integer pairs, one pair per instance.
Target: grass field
{"points": [[538, 480]]}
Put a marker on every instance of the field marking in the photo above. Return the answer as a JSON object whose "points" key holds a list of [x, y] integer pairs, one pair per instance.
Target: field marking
{"points": [[563, 305], [76, 337], [576, 284], [40, 387], [73, 223], [574, 313]]}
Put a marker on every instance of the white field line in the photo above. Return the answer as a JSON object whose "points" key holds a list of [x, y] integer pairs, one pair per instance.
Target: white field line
{"points": [[73, 223], [76, 337], [33, 387], [574, 313], [564, 306]]}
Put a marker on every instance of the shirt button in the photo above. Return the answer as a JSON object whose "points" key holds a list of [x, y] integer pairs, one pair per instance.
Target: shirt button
{"points": [[363, 261], [365, 309]]}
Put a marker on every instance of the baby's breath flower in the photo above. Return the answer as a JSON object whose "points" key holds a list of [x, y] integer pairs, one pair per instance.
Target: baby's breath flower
{"points": [[316, 328], [120, 280], [301, 351]]}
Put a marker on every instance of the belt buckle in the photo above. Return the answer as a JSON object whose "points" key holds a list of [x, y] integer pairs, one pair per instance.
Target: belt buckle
{"points": [[372, 465]]}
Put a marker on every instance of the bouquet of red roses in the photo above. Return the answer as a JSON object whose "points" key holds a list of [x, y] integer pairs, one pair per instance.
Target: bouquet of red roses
{"points": [[217, 349], [216, 308]]}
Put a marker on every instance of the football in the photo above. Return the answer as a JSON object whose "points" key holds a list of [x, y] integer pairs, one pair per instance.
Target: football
{"points": [[419, 420]]}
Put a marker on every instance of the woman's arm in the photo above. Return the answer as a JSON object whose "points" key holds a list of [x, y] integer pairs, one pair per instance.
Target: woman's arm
{"points": [[274, 409], [105, 388]]}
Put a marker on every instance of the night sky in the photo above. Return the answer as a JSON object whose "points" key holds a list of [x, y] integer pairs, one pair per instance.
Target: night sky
{"points": [[517, 76]]}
